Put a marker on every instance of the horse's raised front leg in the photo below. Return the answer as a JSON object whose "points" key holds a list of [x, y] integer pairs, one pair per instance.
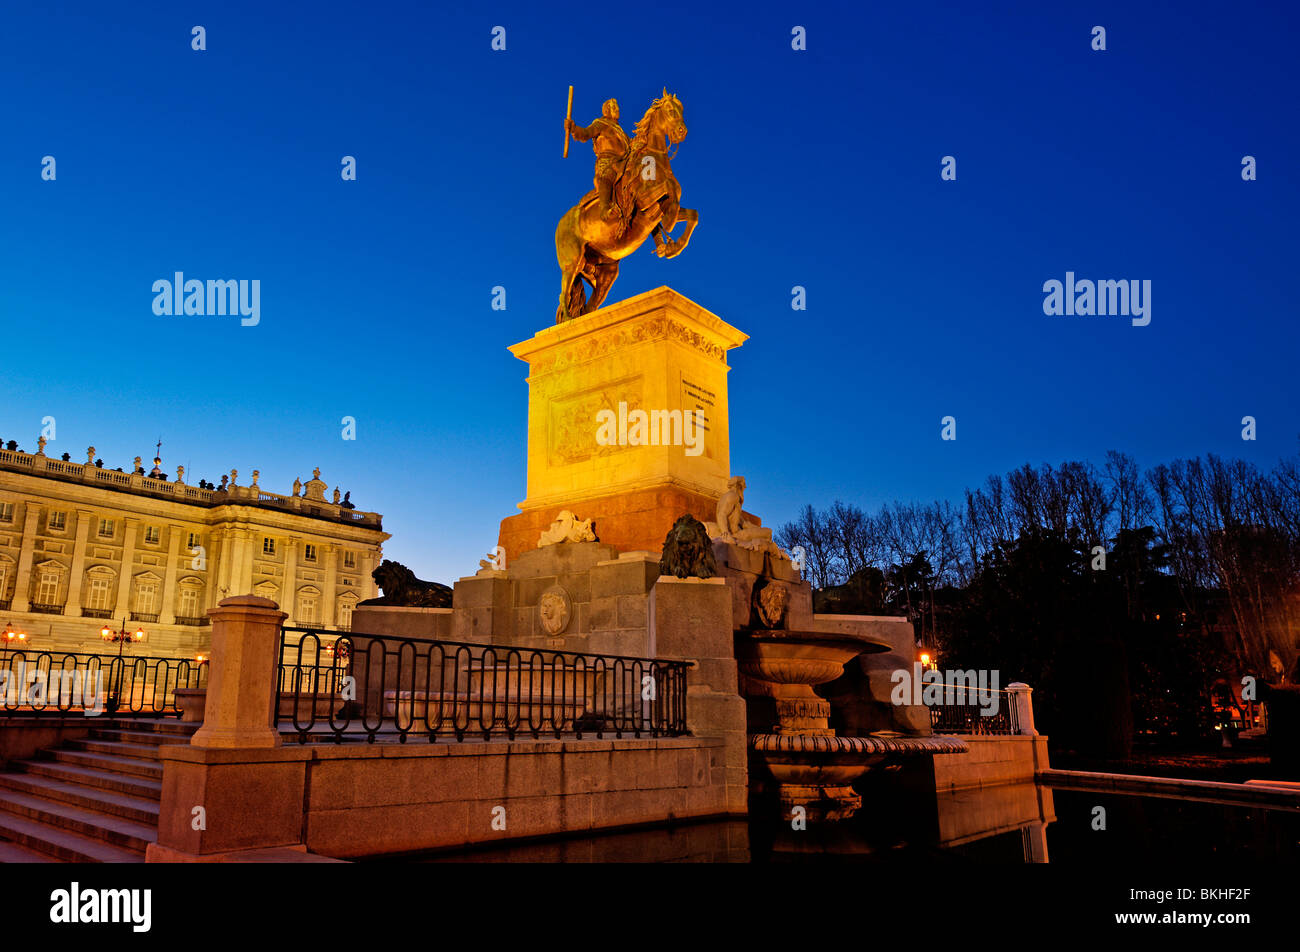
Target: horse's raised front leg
{"points": [[675, 246]]}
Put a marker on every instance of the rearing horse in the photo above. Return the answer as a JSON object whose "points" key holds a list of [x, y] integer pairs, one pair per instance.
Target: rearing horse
{"points": [[589, 248]]}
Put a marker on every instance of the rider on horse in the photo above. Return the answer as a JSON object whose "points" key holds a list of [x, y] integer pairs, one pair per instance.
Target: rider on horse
{"points": [[611, 147]]}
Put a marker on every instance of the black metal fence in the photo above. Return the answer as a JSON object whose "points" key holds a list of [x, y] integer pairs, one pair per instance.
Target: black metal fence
{"points": [[60, 682], [336, 686], [969, 710]]}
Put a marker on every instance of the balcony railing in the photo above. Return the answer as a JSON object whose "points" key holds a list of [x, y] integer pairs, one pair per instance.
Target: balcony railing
{"points": [[57, 682], [337, 687], [149, 617], [45, 609], [6, 604], [96, 612], [194, 621]]}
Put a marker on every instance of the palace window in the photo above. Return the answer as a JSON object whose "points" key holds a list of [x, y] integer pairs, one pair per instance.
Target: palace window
{"points": [[307, 609], [106, 528], [6, 512], [309, 552], [146, 598], [100, 590], [345, 615], [4, 581], [349, 560], [268, 546], [193, 541], [58, 521], [47, 592], [189, 607], [152, 534]]}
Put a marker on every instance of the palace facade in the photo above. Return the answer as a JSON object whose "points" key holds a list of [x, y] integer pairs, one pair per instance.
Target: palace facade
{"points": [[82, 547]]}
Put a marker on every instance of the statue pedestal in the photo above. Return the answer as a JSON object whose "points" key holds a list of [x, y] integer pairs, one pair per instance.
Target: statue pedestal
{"points": [[658, 354]]}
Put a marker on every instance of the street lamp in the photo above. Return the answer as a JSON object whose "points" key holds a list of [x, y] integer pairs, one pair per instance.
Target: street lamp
{"points": [[122, 637]]}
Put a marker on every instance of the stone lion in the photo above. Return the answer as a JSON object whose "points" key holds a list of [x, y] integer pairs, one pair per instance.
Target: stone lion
{"points": [[688, 552], [402, 588]]}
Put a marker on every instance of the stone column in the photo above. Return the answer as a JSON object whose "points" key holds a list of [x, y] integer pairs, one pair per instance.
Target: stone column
{"points": [[331, 555], [240, 706], [122, 606], [1019, 697], [23, 585], [243, 583], [221, 569], [167, 614], [288, 597], [84, 518]]}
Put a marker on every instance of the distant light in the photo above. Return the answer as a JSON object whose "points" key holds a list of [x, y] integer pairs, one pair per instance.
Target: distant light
{"points": [[925, 657]]}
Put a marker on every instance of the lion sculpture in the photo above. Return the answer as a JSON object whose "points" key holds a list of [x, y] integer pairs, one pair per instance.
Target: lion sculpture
{"points": [[402, 588], [688, 553]]}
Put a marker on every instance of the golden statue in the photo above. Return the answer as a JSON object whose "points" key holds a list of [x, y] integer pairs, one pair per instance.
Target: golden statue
{"points": [[635, 196]]}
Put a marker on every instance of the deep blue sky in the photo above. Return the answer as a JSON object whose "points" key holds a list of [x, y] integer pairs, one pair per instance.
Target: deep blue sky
{"points": [[818, 168]]}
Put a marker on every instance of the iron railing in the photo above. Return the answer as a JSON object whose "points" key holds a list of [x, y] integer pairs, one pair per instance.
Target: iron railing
{"points": [[963, 710], [96, 612], [337, 686], [58, 682], [193, 621], [148, 617], [45, 609]]}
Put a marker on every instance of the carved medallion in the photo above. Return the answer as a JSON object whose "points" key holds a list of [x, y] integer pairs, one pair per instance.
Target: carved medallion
{"points": [[554, 609]]}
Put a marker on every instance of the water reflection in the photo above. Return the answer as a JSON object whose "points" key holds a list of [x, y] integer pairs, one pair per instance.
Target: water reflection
{"points": [[1006, 824]]}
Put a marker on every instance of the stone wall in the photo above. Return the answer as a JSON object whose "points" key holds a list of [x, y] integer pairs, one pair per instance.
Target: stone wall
{"points": [[370, 800]]}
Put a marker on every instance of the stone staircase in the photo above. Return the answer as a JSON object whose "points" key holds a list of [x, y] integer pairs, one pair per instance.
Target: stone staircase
{"points": [[93, 800]]}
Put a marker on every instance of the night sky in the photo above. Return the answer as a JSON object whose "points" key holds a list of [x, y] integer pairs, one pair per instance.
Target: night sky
{"points": [[818, 168]]}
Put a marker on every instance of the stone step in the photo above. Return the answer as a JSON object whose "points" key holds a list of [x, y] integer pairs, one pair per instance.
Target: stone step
{"points": [[116, 748], [92, 777], [62, 845], [136, 809], [123, 765], [130, 785], [150, 738], [13, 853], [113, 830], [160, 725]]}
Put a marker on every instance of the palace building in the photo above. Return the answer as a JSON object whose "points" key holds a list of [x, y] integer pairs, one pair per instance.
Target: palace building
{"points": [[83, 547]]}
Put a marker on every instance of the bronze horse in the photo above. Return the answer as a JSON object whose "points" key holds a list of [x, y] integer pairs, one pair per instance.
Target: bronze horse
{"points": [[589, 248]]}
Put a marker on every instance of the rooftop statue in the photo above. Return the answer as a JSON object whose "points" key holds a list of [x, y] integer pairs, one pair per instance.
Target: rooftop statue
{"points": [[636, 196]]}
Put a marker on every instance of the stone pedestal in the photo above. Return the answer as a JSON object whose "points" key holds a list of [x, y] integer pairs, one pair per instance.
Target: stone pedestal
{"points": [[658, 353], [239, 711]]}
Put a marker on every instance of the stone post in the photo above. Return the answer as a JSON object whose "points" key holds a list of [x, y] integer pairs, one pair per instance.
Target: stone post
{"points": [[242, 676], [205, 813], [1024, 706], [691, 619]]}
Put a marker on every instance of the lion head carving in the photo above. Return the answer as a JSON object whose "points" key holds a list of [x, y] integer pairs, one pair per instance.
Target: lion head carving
{"points": [[770, 602], [688, 551]]}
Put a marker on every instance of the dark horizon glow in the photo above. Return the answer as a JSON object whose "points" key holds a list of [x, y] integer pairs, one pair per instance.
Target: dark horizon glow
{"points": [[818, 168]]}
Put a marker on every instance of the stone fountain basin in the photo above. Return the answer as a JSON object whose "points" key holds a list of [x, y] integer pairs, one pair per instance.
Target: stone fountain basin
{"points": [[832, 759], [801, 657]]}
